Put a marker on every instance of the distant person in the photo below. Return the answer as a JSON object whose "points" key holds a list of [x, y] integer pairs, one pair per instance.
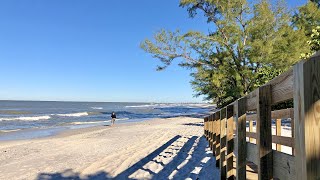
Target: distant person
{"points": [[113, 116]]}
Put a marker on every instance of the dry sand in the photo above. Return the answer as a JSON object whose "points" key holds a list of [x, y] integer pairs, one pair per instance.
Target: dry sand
{"points": [[157, 149]]}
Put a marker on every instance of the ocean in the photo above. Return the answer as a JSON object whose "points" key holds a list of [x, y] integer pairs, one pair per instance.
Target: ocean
{"points": [[25, 115]]}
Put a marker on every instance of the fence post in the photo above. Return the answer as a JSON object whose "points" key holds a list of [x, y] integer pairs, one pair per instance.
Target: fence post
{"points": [[264, 133], [223, 170], [208, 129], [307, 118], [211, 131], [241, 146], [278, 132], [205, 127], [213, 135], [229, 143], [217, 128]]}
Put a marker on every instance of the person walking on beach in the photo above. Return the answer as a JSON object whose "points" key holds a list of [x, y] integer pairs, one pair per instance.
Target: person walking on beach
{"points": [[113, 116]]}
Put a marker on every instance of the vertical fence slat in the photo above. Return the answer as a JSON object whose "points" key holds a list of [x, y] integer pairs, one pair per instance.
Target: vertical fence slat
{"points": [[223, 170], [209, 131], [307, 118], [241, 146], [278, 132], [251, 129], [264, 133], [292, 135], [208, 128], [217, 128], [229, 143]]}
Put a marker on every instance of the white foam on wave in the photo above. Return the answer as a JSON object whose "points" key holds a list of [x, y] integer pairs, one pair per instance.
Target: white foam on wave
{"points": [[23, 118], [141, 106], [96, 122], [169, 105], [73, 114], [96, 107], [91, 122], [9, 130], [122, 119]]}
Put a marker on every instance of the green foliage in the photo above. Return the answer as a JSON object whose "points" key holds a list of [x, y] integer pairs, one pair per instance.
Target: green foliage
{"points": [[314, 43], [315, 39], [307, 17], [247, 46], [317, 2]]}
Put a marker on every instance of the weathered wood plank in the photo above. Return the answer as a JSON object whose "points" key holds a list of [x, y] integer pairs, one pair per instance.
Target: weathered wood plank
{"points": [[278, 133], [278, 114], [283, 166], [292, 135], [252, 153], [241, 146], [264, 134], [213, 125], [286, 141], [307, 118], [282, 90], [230, 143], [282, 87], [205, 127], [217, 129], [250, 129], [211, 132], [251, 101], [299, 114], [251, 135], [223, 120]]}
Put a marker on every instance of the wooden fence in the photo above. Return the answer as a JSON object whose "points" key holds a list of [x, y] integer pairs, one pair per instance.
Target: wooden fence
{"points": [[234, 147]]}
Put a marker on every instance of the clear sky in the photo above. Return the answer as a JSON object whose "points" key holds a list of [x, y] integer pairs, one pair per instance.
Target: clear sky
{"points": [[81, 50]]}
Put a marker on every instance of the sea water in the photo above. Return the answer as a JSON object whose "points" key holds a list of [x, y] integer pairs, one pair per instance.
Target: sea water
{"points": [[45, 117]]}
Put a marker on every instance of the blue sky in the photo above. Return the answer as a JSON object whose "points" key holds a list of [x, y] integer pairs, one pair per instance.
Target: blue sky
{"points": [[80, 50]]}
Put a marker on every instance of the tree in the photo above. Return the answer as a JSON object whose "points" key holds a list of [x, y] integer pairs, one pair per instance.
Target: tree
{"points": [[247, 46], [314, 43], [307, 17], [315, 39], [317, 2]]}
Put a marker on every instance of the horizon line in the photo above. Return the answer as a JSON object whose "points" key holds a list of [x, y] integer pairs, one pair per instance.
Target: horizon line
{"points": [[105, 101]]}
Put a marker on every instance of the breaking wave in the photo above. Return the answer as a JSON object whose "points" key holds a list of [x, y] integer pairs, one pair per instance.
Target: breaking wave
{"points": [[24, 118], [96, 107], [73, 114]]}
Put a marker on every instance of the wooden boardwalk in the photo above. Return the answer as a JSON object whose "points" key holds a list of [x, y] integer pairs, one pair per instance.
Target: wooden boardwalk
{"points": [[242, 154]]}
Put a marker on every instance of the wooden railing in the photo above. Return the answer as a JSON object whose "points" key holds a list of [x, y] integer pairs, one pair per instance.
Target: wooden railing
{"points": [[230, 142]]}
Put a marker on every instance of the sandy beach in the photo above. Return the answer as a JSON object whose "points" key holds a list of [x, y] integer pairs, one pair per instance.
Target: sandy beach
{"points": [[172, 148]]}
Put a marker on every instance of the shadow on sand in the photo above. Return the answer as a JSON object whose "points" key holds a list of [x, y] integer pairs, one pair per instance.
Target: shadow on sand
{"points": [[69, 174], [192, 159], [200, 124]]}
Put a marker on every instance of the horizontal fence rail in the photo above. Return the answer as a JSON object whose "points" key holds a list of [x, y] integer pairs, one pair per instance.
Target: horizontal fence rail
{"points": [[240, 134]]}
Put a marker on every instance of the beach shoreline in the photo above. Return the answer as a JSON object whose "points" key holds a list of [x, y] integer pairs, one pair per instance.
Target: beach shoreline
{"points": [[35, 133], [173, 147]]}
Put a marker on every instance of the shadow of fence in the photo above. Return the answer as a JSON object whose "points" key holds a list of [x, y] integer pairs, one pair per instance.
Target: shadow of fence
{"points": [[70, 175], [190, 160], [200, 124]]}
